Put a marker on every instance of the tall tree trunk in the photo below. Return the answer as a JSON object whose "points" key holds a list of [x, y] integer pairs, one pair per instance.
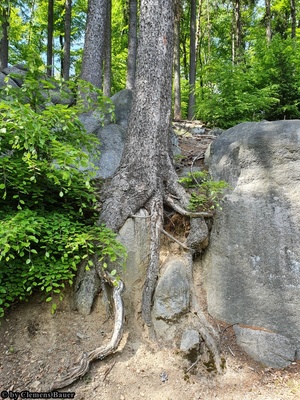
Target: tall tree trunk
{"points": [[4, 38], [50, 38], [192, 74], [93, 52], [177, 86], [237, 31], [107, 54], [132, 44], [146, 177], [293, 18], [67, 40], [268, 20]]}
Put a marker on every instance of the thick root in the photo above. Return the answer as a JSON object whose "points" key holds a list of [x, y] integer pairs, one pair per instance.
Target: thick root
{"points": [[101, 352], [156, 206]]}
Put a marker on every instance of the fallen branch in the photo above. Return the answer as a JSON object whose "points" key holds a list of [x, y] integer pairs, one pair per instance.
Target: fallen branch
{"points": [[101, 352]]}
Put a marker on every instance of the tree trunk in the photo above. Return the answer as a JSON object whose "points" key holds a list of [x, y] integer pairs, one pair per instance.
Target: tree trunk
{"points": [[177, 88], [107, 54], [132, 44], [4, 38], [93, 52], [268, 20], [293, 18], [192, 74], [50, 38], [146, 177], [67, 40]]}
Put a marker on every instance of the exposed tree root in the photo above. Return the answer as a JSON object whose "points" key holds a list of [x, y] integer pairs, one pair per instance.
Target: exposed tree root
{"points": [[156, 207], [101, 352]]}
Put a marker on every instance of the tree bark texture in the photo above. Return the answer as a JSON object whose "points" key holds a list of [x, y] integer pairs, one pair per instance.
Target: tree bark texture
{"points": [[50, 38], [107, 54], [4, 38], [67, 40], [268, 20], [93, 52], [132, 44], [144, 167], [192, 73], [177, 88]]}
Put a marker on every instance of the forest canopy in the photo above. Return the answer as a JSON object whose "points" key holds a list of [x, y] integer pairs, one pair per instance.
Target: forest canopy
{"points": [[238, 60]]}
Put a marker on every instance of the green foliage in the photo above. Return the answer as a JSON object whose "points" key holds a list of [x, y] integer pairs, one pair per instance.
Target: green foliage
{"points": [[205, 193], [48, 203]]}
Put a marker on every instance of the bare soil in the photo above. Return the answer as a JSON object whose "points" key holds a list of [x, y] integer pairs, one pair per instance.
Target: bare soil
{"points": [[37, 347]]}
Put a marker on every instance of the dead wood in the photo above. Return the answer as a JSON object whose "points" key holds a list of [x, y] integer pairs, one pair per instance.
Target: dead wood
{"points": [[101, 352]]}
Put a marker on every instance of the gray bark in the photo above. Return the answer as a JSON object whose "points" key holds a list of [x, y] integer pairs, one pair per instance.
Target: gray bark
{"points": [[192, 73], [50, 38], [107, 54], [67, 40], [4, 39], [268, 20], [132, 45], [93, 52], [177, 88], [144, 165]]}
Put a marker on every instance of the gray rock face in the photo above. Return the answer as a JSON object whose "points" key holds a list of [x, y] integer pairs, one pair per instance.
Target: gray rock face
{"points": [[122, 102], [252, 265], [172, 295], [267, 347], [198, 236], [190, 341], [112, 139]]}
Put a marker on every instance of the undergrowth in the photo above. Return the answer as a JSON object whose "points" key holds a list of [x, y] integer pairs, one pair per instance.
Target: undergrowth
{"points": [[48, 202], [205, 192]]}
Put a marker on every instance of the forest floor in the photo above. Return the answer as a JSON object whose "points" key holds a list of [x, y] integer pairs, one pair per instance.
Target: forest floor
{"points": [[37, 347]]}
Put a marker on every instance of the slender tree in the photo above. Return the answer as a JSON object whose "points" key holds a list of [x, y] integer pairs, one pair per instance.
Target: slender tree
{"points": [[4, 15], [268, 20], [177, 86], [192, 72], [50, 24], [107, 54], [67, 40]]}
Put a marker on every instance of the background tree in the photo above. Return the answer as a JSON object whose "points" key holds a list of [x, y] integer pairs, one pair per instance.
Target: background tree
{"points": [[50, 20], [93, 52], [4, 21]]}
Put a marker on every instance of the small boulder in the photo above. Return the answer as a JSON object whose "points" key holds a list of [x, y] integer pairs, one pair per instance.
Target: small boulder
{"points": [[190, 341], [172, 295]]}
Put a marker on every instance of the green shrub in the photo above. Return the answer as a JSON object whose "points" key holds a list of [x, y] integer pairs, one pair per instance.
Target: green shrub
{"points": [[48, 202], [205, 193]]}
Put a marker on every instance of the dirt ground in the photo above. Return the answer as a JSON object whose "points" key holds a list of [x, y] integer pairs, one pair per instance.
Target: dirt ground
{"points": [[36, 348]]}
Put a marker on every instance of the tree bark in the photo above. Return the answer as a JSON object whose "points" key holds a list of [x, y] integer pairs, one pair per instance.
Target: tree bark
{"points": [[4, 38], [107, 54], [67, 40], [192, 74], [293, 18], [50, 38], [177, 86], [132, 44], [268, 20], [93, 52]]}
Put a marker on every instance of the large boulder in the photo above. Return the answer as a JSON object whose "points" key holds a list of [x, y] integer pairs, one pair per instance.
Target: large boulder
{"points": [[252, 265]]}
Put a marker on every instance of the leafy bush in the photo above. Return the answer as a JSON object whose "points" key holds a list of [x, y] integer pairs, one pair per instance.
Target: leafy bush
{"points": [[48, 199], [207, 193]]}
